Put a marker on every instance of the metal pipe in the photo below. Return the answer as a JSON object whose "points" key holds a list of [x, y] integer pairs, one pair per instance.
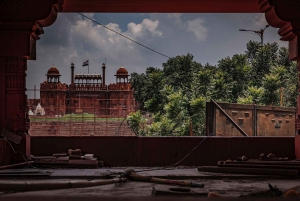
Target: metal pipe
{"points": [[22, 185], [16, 165]]}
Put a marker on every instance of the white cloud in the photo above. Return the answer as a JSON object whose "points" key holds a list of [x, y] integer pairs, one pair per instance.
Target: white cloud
{"points": [[140, 30], [196, 26], [73, 55], [260, 20], [176, 17]]}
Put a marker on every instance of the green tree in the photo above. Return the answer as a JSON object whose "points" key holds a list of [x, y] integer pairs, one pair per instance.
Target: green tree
{"points": [[137, 122], [147, 87], [271, 85], [264, 59], [252, 95], [237, 71], [178, 71]]}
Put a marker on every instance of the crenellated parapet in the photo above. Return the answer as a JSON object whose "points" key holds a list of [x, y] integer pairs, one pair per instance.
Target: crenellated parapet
{"points": [[119, 86], [53, 86]]}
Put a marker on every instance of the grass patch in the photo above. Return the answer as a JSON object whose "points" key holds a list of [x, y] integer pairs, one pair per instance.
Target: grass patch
{"points": [[73, 118]]}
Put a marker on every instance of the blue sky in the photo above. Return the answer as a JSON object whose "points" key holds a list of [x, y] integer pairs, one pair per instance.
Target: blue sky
{"points": [[209, 37]]}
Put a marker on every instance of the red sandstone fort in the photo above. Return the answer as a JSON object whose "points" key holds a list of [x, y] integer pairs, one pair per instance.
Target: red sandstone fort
{"points": [[87, 93]]}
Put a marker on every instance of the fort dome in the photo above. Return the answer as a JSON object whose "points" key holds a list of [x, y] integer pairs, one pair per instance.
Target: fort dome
{"points": [[53, 71], [122, 71]]}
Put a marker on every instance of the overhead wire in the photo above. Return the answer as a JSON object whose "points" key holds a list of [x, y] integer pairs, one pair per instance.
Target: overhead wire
{"points": [[123, 35]]}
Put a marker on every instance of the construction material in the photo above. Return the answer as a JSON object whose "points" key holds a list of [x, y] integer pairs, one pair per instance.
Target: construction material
{"points": [[89, 156], [59, 154], [74, 157], [257, 162], [84, 163], [258, 171], [136, 177], [178, 191], [249, 165], [15, 173], [52, 185], [16, 165], [63, 158], [19, 171], [71, 163], [42, 157], [76, 152]]}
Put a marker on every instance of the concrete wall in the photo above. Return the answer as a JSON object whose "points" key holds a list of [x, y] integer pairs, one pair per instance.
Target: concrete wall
{"points": [[164, 151]]}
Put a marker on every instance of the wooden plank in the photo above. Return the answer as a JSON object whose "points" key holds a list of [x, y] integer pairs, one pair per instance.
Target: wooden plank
{"points": [[260, 166], [19, 171], [84, 163], [285, 163], [258, 171]]}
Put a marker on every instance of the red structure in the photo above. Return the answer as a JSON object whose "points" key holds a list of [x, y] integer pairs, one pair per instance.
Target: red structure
{"points": [[22, 23], [87, 93]]}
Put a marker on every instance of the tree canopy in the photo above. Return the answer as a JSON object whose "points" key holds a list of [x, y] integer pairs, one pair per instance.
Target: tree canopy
{"points": [[175, 96]]}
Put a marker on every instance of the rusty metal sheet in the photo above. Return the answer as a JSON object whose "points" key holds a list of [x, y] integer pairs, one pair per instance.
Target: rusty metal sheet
{"points": [[253, 119], [275, 121], [243, 116]]}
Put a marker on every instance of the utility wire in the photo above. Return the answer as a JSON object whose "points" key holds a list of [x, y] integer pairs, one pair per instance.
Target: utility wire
{"points": [[124, 36]]}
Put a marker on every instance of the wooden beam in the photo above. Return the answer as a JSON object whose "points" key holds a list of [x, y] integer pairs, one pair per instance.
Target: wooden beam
{"points": [[162, 6]]}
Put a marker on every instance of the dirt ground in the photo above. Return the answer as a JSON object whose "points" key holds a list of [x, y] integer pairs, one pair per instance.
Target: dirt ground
{"points": [[227, 185]]}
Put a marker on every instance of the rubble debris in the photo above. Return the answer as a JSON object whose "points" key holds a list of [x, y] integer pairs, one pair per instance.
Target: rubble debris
{"points": [[178, 191]]}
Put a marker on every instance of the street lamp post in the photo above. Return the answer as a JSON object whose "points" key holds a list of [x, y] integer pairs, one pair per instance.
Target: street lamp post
{"points": [[260, 33]]}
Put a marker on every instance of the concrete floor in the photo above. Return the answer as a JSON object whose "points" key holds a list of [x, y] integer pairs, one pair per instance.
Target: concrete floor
{"points": [[227, 185]]}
